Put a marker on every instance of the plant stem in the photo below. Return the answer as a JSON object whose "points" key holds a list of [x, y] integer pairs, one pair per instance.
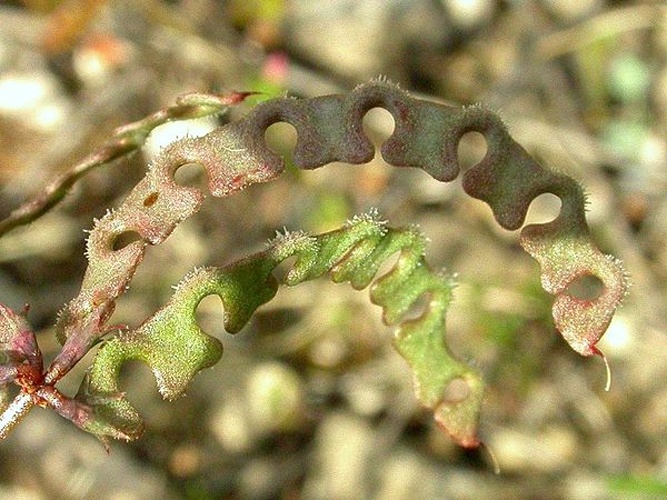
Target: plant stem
{"points": [[15, 412], [125, 139]]}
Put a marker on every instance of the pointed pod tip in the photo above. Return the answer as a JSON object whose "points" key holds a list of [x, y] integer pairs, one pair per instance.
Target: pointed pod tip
{"points": [[598, 352], [104, 441], [492, 457], [607, 386]]}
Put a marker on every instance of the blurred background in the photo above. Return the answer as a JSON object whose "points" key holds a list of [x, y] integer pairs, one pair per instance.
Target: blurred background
{"points": [[310, 400]]}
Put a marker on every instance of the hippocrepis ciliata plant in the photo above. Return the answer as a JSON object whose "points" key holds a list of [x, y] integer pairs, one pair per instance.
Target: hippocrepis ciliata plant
{"points": [[235, 155]]}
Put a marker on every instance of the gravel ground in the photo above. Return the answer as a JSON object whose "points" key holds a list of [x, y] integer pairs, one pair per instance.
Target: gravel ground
{"points": [[582, 85]]}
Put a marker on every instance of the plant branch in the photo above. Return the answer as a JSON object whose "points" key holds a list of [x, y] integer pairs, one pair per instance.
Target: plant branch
{"points": [[125, 140]]}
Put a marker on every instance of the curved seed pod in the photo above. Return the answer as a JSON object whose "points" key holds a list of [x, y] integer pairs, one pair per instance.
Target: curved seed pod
{"points": [[175, 348]]}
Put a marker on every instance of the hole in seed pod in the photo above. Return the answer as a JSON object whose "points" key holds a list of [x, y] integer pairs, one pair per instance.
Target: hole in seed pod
{"points": [[388, 265], [150, 200], [281, 137], [124, 239], [132, 378], [471, 150], [281, 271], [586, 287], [543, 209], [209, 315], [456, 391], [378, 125], [418, 308], [191, 175]]}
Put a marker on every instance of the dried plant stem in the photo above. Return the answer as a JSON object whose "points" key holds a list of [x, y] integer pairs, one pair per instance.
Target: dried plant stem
{"points": [[126, 139]]}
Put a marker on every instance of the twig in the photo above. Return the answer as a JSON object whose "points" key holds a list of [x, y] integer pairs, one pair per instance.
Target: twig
{"points": [[126, 139]]}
